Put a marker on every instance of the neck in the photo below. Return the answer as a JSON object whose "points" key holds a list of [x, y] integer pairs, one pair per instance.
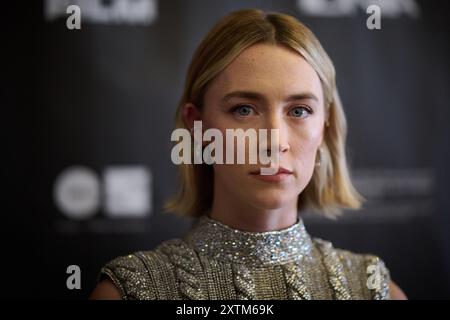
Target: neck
{"points": [[246, 217], [215, 240]]}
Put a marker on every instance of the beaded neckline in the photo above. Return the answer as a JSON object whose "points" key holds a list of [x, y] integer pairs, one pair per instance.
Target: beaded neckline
{"points": [[219, 241]]}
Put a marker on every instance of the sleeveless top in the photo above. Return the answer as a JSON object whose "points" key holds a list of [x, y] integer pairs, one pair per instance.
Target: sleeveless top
{"points": [[214, 261]]}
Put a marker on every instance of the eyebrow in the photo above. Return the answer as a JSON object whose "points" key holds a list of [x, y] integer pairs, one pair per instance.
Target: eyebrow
{"points": [[260, 97]]}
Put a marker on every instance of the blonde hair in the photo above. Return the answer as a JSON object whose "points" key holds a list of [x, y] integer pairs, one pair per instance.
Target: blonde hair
{"points": [[330, 189]]}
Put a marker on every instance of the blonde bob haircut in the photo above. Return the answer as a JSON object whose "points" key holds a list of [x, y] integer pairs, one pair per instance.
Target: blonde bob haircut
{"points": [[330, 189]]}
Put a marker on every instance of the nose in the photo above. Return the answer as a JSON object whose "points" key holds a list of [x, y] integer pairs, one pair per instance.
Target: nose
{"points": [[276, 121]]}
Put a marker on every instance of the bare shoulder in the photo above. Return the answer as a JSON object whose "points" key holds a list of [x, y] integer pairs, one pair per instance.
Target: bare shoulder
{"points": [[395, 292], [105, 290]]}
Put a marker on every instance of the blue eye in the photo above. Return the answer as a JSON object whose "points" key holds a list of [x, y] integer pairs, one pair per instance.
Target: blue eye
{"points": [[243, 110], [299, 111]]}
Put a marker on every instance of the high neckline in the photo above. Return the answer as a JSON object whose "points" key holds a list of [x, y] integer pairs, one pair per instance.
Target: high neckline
{"points": [[219, 241]]}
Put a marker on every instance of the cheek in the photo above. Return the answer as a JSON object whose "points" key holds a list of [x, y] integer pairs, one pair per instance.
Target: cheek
{"points": [[304, 143]]}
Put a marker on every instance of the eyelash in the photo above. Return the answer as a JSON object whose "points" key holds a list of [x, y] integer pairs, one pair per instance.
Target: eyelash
{"points": [[236, 108], [308, 109]]}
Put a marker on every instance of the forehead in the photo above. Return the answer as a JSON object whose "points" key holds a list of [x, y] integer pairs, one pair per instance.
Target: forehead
{"points": [[273, 70]]}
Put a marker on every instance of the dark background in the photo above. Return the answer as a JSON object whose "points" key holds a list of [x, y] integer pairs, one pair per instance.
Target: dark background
{"points": [[105, 96]]}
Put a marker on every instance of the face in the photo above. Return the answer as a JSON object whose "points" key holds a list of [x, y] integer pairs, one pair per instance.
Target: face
{"points": [[268, 87]]}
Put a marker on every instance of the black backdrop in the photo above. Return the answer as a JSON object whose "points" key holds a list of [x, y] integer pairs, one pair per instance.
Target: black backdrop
{"points": [[103, 98]]}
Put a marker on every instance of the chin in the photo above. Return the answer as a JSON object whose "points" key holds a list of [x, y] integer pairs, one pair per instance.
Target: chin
{"points": [[273, 201]]}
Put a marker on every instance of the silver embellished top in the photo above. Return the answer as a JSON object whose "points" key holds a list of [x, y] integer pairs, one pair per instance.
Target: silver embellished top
{"points": [[214, 261], [218, 241]]}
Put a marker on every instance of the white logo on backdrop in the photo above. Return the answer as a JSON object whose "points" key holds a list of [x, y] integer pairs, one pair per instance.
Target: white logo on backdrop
{"points": [[77, 192], [135, 12], [345, 8], [127, 191], [124, 192]]}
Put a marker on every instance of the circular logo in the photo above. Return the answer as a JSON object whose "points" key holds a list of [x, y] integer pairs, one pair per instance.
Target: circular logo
{"points": [[77, 192]]}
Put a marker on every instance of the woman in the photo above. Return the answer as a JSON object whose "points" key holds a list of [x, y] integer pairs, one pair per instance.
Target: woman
{"points": [[257, 70]]}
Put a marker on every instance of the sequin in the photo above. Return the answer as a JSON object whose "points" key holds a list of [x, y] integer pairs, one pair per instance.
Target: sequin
{"points": [[223, 243], [214, 261]]}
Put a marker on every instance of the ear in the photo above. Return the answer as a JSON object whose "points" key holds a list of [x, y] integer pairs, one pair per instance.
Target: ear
{"points": [[190, 114]]}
